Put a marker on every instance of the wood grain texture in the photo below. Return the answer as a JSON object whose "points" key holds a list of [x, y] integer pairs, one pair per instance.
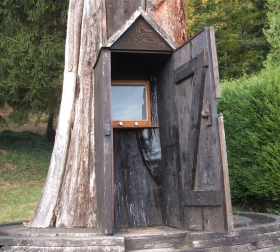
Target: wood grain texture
{"points": [[43, 216], [209, 164], [216, 75], [140, 36], [173, 11], [189, 68], [225, 173], [118, 12], [149, 139], [200, 155], [104, 144], [169, 138], [203, 198], [137, 196]]}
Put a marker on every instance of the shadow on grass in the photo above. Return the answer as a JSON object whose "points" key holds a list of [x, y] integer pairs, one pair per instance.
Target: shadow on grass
{"points": [[24, 156]]}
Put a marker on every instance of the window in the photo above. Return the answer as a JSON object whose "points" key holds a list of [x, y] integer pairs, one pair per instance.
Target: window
{"points": [[131, 104]]}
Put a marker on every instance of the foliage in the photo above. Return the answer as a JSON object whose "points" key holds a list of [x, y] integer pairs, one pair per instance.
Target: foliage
{"points": [[251, 107], [272, 32], [241, 44], [32, 55]]}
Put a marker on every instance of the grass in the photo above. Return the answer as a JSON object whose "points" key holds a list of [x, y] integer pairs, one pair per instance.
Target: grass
{"points": [[24, 161], [18, 201]]}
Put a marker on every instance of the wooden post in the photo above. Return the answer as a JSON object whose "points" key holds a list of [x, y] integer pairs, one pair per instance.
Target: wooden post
{"points": [[225, 173]]}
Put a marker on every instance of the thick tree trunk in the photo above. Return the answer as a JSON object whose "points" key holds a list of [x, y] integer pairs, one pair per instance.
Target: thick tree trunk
{"points": [[169, 14], [69, 194]]}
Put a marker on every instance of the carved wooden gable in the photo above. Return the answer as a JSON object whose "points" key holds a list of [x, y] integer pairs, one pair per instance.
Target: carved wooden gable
{"points": [[141, 36]]}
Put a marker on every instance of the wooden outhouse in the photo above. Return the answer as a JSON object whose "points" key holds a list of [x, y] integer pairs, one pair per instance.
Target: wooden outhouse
{"points": [[157, 144]]}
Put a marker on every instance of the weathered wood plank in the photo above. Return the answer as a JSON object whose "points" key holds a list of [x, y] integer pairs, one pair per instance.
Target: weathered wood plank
{"points": [[169, 137], [187, 69], [118, 12], [216, 76], [231, 241], [62, 242], [63, 249], [194, 127], [154, 242], [141, 36], [192, 216], [225, 174], [203, 198], [209, 166], [137, 196], [104, 144]]}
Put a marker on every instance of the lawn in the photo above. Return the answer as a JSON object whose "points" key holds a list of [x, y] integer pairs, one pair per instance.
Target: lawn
{"points": [[24, 161]]}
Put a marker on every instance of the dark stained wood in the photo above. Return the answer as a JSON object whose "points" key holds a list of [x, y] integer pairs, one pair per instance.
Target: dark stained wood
{"points": [[203, 198], [190, 108], [140, 36], [192, 217], [103, 143], [137, 195], [137, 153], [169, 138], [185, 70], [193, 129], [209, 167], [118, 12], [136, 66]]}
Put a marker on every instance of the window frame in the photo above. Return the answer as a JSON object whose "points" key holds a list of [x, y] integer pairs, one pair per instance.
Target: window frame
{"points": [[135, 123]]}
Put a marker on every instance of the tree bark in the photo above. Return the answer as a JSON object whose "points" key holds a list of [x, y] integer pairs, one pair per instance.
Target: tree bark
{"points": [[169, 14], [69, 195]]}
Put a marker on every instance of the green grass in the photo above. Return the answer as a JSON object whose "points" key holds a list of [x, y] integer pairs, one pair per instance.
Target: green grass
{"points": [[18, 201], [24, 161]]}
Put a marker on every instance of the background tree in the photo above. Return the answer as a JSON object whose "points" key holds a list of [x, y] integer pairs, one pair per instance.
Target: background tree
{"points": [[241, 44], [272, 32], [31, 57]]}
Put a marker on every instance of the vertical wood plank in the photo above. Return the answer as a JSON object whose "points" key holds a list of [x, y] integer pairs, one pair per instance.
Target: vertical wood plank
{"points": [[200, 154], [137, 196], [225, 173], [209, 170], [104, 143], [169, 137], [216, 76], [187, 102], [117, 12]]}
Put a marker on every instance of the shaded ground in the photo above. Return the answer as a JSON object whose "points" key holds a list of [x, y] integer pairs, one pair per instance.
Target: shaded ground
{"points": [[24, 159]]}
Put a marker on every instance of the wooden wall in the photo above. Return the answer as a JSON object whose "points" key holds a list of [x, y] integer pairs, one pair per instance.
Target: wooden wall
{"points": [[117, 12], [186, 190], [137, 191], [137, 196], [191, 161]]}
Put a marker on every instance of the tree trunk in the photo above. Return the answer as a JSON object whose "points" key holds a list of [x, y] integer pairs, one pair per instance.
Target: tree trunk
{"points": [[69, 195]]}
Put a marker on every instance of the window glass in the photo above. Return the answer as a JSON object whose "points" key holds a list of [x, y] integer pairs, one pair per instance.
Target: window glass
{"points": [[129, 102]]}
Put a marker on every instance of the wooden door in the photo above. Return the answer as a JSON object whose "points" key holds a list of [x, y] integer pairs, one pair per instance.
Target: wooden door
{"points": [[103, 143], [191, 158]]}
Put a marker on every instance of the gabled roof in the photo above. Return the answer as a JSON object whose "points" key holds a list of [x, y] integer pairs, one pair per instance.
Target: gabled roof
{"points": [[140, 32]]}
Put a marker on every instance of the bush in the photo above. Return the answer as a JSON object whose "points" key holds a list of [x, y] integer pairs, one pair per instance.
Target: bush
{"points": [[251, 108]]}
